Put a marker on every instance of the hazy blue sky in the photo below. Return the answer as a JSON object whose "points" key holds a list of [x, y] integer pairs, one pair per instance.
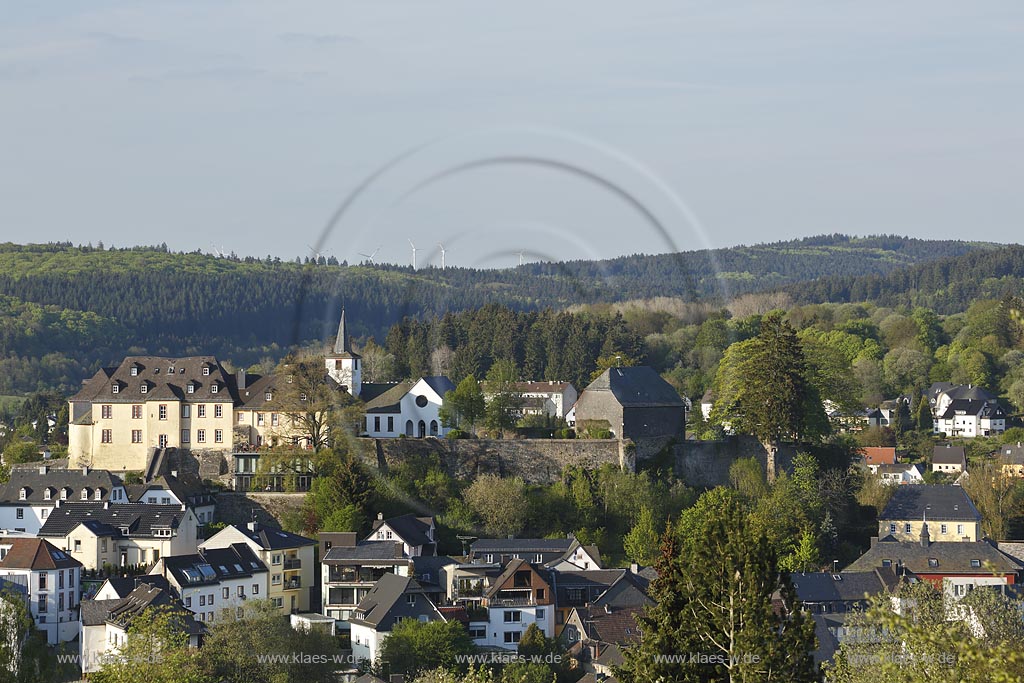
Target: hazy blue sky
{"points": [[245, 124]]}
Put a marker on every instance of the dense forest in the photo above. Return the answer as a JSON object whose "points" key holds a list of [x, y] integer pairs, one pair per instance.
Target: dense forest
{"points": [[65, 310]]}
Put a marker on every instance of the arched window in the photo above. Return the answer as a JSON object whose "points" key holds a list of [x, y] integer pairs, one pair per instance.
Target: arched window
{"points": [[422, 429], [408, 427], [433, 427]]}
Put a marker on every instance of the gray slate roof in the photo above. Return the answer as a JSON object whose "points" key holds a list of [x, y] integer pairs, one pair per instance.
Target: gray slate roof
{"points": [[938, 503], [849, 587], [141, 519], [270, 538], [952, 557], [439, 383], [165, 378], [638, 386], [384, 398], [35, 482], [949, 455], [213, 565], [409, 528], [386, 601], [983, 408], [384, 551]]}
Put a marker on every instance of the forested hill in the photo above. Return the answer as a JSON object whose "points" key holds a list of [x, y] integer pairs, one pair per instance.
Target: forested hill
{"points": [[946, 285], [66, 310]]}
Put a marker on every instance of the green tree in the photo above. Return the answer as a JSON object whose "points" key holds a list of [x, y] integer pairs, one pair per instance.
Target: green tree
{"points": [[924, 416], [310, 400], [748, 477], [463, 406], [501, 504], [641, 543], [415, 646], [714, 598], [504, 402], [763, 387]]}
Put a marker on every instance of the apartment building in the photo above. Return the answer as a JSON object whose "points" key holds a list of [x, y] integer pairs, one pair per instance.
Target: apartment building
{"points": [[215, 583]]}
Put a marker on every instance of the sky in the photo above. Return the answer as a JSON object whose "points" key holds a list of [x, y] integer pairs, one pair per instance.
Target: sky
{"points": [[506, 131]]}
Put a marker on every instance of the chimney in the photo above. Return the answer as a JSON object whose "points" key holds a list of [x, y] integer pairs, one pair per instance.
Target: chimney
{"points": [[174, 473], [634, 568], [925, 538], [253, 526], [240, 377], [380, 516], [85, 471], [44, 469], [106, 505]]}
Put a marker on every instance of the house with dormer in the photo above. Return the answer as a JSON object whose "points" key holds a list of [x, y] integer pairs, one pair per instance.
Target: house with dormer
{"points": [[215, 583], [350, 568], [30, 495], [553, 553], [519, 596], [947, 510], [98, 534], [417, 534], [392, 600]]}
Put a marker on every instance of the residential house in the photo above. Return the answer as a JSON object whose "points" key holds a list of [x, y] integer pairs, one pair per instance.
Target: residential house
{"points": [[30, 495], [350, 569], [598, 589], [555, 553], [551, 399], [947, 510], [392, 599], [900, 474], [51, 580], [98, 534], [949, 459], [124, 415], [954, 567], [888, 410], [1011, 460], [965, 411], [633, 403], [519, 596], [215, 583], [415, 533], [172, 489], [831, 598], [878, 455], [289, 557], [105, 623]]}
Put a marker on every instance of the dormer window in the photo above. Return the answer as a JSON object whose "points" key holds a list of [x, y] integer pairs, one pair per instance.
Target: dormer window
{"points": [[135, 370], [170, 370], [191, 388], [268, 396], [48, 493], [213, 389], [22, 494], [145, 388], [206, 371], [124, 531], [975, 563], [114, 388], [99, 494], [302, 396], [933, 562], [85, 494], [63, 494]]}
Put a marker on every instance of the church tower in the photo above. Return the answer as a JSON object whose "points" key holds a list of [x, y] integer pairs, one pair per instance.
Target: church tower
{"points": [[343, 364]]}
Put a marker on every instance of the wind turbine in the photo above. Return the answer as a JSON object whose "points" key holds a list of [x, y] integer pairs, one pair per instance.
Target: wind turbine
{"points": [[441, 247], [218, 251], [317, 255], [413, 254], [521, 253], [370, 257]]}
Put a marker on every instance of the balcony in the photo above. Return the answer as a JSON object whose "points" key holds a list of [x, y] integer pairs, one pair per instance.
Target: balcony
{"points": [[292, 584], [292, 563], [511, 602]]}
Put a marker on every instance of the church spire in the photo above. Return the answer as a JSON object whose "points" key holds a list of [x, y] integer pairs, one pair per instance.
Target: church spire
{"points": [[341, 343]]}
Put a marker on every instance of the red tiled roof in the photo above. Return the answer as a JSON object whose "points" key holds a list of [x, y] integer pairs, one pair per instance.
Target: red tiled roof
{"points": [[879, 455], [36, 553]]}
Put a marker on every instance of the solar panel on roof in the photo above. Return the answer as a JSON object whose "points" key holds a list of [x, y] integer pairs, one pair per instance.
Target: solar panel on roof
{"points": [[191, 574], [238, 568], [206, 570]]}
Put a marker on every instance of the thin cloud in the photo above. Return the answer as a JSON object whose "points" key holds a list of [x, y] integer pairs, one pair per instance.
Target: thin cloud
{"points": [[317, 38]]}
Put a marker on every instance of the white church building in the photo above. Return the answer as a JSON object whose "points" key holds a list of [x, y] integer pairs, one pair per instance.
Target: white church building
{"points": [[391, 409]]}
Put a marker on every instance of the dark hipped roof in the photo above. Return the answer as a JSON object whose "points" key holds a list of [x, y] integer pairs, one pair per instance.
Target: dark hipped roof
{"points": [[959, 391], [950, 557], [213, 565], [35, 482], [983, 408], [137, 602], [927, 502], [37, 554], [187, 488], [846, 586], [616, 626], [638, 386], [165, 378], [104, 519]]}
